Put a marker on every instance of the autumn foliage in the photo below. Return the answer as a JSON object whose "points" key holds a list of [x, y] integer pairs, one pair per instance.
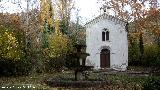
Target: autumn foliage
{"points": [[41, 36]]}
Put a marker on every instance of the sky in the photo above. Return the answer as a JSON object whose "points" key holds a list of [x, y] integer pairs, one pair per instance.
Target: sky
{"points": [[88, 9], [13, 6]]}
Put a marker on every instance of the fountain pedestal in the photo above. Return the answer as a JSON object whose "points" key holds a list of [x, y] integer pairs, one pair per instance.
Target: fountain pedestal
{"points": [[78, 61]]}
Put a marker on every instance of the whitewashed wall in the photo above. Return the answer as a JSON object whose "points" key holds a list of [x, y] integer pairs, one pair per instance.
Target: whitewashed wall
{"points": [[117, 44]]}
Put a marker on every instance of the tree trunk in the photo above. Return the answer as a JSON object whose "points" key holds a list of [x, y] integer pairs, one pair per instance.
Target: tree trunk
{"points": [[76, 72]]}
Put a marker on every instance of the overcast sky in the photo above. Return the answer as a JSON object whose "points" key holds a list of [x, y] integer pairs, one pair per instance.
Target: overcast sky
{"points": [[88, 9]]}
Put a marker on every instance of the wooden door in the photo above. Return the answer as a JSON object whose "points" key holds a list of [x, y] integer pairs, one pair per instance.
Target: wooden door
{"points": [[105, 58]]}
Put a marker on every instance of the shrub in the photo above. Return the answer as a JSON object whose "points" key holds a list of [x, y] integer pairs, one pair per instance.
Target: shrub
{"points": [[151, 56], [134, 53], [55, 64], [14, 68], [152, 84], [59, 45], [9, 45], [12, 53]]}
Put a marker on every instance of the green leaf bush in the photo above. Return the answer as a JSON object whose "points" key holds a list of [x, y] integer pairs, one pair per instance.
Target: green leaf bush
{"points": [[152, 84]]}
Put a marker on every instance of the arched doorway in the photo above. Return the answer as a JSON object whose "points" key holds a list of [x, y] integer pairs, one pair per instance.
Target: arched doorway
{"points": [[105, 58]]}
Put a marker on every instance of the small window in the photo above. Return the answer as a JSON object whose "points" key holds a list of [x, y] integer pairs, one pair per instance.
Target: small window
{"points": [[107, 35], [103, 36]]}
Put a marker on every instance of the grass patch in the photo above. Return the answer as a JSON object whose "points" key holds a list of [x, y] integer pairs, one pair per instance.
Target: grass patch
{"points": [[32, 81], [37, 81]]}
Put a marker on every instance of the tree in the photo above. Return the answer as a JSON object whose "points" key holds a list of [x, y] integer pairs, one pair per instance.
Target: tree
{"points": [[39, 31], [59, 46], [9, 45], [10, 25], [47, 13], [141, 46], [64, 13], [152, 26]]}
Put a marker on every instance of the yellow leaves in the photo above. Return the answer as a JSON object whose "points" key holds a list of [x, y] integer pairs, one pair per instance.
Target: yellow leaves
{"points": [[9, 46], [59, 45], [57, 28], [47, 12], [50, 22]]}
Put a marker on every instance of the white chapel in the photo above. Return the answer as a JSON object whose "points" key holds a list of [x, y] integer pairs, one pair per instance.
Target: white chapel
{"points": [[107, 43]]}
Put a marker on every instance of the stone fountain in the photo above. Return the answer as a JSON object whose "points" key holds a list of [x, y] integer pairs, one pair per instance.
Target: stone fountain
{"points": [[81, 58], [78, 61], [75, 61]]}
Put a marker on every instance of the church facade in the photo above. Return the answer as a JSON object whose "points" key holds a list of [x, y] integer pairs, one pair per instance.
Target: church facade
{"points": [[107, 43]]}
